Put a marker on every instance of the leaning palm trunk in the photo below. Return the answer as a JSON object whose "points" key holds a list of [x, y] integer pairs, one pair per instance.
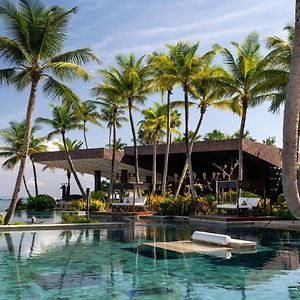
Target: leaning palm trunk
{"points": [[111, 187], [185, 168], [242, 130], [72, 168], [26, 187], [166, 162], [290, 126], [34, 177], [187, 143], [136, 158], [28, 123], [154, 167]]}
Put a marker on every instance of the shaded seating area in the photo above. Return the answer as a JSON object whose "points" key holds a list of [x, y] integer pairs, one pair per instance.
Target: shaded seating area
{"points": [[242, 203], [133, 190]]}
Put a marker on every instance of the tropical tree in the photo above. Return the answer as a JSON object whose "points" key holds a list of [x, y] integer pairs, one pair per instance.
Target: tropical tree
{"points": [[186, 66], [271, 141], [112, 111], [160, 65], [247, 80], [215, 135], [119, 145], [280, 55], [246, 135], [64, 119], [290, 126], [13, 137], [208, 93], [130, 81], [86, 112], [181, 138], [154, 127], [32, 49], [71, 145]]}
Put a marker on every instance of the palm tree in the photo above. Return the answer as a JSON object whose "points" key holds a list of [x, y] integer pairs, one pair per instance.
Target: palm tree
{"points": [[13, 137], [290, 126], [154, 127], [64, 119], [246, 135], [32, 49], [192, 135], [271, 141], [129, 82], [280, 56], [87, 113], [112, 110], [215, 135], [160, 64], [119, 145], [247, 80], [185, 68], [71, 145]]}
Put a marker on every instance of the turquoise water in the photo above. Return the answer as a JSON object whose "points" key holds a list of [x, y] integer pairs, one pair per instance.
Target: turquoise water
{"points": [[111, 264]]}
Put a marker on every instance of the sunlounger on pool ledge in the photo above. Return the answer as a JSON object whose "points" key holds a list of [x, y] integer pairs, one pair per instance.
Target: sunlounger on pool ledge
{"points": [[128, 201], [244, 203]]}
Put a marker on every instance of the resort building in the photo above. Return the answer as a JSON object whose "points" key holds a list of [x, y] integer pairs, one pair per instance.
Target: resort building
{"points": [[262, 164]]}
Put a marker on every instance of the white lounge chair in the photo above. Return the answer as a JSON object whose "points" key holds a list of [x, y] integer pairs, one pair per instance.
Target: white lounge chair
{"points": [[128, 202], [244, 203]]}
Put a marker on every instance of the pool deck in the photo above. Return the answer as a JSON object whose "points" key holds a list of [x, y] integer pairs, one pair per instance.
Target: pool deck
{"points": [[35, 227]]}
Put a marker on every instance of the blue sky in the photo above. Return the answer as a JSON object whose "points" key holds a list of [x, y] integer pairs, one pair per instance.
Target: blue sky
{"points": [[112, 27]]}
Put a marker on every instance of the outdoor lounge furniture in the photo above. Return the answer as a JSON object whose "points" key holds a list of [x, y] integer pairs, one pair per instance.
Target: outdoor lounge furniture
{"points": [[244, 203], [129, 202]]}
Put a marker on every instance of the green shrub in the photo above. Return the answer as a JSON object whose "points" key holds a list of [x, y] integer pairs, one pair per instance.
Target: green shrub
{"points": [[69, 218], [280, 199], [95, 205], [1, 219], [98, 195], [19, 223], [41, 202]]}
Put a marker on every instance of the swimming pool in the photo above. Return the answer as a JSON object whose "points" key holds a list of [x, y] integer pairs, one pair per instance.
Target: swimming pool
{"points": [[111, 264]]}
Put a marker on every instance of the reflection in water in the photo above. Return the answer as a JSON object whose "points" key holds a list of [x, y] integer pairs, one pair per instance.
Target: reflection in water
{"points": [[104, 263]]}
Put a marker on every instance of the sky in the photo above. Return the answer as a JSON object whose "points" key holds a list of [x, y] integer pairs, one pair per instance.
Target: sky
{"points": [[112, 27]]}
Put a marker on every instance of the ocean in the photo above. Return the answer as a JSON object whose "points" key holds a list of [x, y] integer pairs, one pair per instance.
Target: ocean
{"points": [[4, 203]]}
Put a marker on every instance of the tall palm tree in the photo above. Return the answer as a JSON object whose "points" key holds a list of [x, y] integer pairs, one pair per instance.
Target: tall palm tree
{"points": [[209, 94], [87, 113], [160, 64], [112, 111], [186, 67], [64, 119], [32, 49], [130, 81], [71, 145], [13, 137], [290, 126], [154, 127], [247, 80]]}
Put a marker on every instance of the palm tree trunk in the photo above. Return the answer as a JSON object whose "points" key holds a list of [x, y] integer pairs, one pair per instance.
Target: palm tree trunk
{"points": [[166, 162], [185, 168], [28, 123], [187, 143], [136, 158], [290, 126], [154, 167], [84, 136], [109, 137], [72, 168], [113, 162], [35, 177], [26, 187], [242, 130]]}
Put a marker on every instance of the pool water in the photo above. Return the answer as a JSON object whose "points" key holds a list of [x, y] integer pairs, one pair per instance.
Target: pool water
{"points": [[112, 264]]}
